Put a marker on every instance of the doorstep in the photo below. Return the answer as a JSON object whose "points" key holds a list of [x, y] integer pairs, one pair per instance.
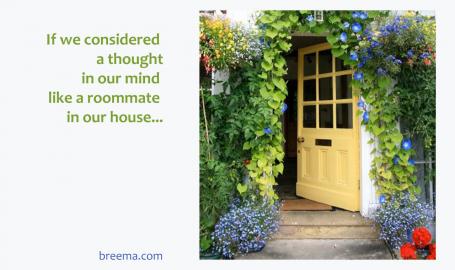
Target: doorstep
{"points": [[321, 249]]}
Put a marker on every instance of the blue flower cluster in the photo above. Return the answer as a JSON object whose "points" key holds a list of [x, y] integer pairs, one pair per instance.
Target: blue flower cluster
{"points": [[356, 27], [245, 227], [395, 26], [396, 217]]}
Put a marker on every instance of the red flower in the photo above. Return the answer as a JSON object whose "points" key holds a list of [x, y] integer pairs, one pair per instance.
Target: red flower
{"points": [[432, 252], [246, 162], [421, 237], [408, 252], [431, 257], [427, 61]]}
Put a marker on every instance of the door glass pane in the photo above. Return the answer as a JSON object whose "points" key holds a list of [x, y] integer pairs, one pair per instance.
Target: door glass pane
{"points": [[339, 66], [344, 89], [326, 116], [325, 88], [325, 61], [309, 116], [309, 64], [309, 90], [344, 115]]}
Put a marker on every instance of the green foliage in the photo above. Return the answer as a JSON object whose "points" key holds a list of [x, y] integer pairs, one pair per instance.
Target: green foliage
{"points": [[267, 149], [384, 107], [224, 124]]}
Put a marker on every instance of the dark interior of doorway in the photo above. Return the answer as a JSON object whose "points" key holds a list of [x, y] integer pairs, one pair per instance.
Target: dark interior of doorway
{"points": [[287, 181]]}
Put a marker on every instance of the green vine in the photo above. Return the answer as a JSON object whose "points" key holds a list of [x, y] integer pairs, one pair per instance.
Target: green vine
{"points": [[391, 168]]}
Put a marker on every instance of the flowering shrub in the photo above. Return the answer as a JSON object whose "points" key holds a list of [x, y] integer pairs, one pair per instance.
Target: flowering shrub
{"points": [[399, 216], [421, 247], [223, 44], [245, 227], [398, 49]]}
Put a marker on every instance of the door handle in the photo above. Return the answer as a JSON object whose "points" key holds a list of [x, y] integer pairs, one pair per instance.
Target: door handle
{"points": [[300, 139]]}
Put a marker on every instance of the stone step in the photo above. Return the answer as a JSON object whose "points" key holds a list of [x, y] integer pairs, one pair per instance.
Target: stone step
{"points": [[323, 218], [326, 232], [317, 249]]}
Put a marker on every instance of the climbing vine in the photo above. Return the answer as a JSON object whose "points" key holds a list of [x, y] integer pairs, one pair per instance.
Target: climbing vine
{"points": [[359, 45]]}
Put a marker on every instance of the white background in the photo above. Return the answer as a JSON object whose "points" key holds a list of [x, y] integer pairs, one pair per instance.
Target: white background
{"points": [[69, 191]]}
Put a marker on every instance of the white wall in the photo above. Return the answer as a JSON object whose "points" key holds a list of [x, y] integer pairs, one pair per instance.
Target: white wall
{"points": [[368, 197]]}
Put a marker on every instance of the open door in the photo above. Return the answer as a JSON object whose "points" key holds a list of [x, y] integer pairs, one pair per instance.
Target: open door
{"points": [[328, 130]]}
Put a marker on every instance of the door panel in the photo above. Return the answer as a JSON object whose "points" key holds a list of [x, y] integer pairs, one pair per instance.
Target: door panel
{"points": [[328, 130]]}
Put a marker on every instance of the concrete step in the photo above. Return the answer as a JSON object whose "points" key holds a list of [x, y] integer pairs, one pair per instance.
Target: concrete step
{"points": [[323, 218], [337, 224], [312, 249], [326, 232]]}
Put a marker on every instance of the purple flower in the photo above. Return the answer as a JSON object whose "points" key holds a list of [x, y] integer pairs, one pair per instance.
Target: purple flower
{"points": [[267, 130], [390, 58], [410, 53], [358, 75], [374, 44], [381, 72], [397, 61], [406, 144], [353, 56], [356, 27], [344, 37], [362, 62], [346, 25], [284, 107], [366, 117], [424, 55], [310, 18]]}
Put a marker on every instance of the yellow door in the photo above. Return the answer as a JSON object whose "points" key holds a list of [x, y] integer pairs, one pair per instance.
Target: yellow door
{"points": [[328, 130]]}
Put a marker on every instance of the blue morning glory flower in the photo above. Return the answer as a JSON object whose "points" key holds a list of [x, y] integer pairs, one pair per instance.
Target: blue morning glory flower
{"points": [[366, 116], [381, 72], [358, 75], [344, 37], [353, 56], [396, 160], [410, 53], [411, 162], [363, 15], [284, 107], [398, 61], [310, 18], [356, 27], [406, 144], [355, 14], [360, 104], [346, 25], [267, 130], [382, 199]]}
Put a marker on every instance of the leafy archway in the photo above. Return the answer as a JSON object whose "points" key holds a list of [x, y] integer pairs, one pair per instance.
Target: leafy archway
{"points": [[350, 35]]}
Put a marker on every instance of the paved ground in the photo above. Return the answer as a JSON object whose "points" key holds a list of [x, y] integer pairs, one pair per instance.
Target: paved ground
{"points": [[317, 249]]}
